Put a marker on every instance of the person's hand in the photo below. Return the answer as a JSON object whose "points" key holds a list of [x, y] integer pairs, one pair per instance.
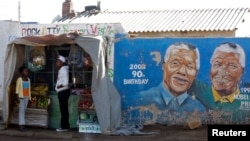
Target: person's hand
{"points": [[59, 86], [18, 99]]}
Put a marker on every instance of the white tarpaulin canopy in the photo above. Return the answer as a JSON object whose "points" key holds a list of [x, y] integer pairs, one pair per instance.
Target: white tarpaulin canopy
{"points": [[105, 96]]}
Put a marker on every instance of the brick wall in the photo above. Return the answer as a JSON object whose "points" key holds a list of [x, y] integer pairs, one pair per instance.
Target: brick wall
{"points": [[67, 8]]}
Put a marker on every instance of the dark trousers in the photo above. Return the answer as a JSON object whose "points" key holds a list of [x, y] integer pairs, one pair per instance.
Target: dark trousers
{"points": [[63, 98]]}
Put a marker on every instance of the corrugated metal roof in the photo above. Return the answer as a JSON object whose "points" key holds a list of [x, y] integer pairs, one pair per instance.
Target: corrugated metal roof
{"points": [[224, 19]]}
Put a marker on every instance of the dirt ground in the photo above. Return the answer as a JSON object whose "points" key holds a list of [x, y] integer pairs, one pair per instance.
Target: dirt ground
{"points": [[162, 133]]}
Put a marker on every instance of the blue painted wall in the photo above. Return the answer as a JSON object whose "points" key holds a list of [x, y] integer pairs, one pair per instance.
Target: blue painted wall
{"points": [[137, 69]]}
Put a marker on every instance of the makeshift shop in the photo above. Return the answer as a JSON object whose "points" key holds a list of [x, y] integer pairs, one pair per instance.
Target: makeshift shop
{"points": [[94, 101]]}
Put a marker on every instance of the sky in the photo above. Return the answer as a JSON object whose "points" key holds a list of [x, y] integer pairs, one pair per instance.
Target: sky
{"points": [[43, 11]]}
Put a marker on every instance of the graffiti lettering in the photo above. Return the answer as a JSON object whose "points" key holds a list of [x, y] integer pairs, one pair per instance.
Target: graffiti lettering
{"points": [[110, 31], [245, 105], [137, 66], [53, 30], [94, 29], [138, 74], [135, 81], [12, 37], [65, 29], [86, 29], [30, 32], [245, 90], [43, 31], [242, 97]]}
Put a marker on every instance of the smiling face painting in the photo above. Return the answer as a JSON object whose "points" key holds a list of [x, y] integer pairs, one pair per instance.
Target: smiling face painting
{"points": [[180, 68], [227, 66]]}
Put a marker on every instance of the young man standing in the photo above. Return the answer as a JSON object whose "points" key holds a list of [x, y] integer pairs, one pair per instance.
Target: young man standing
{"points": [[63, 91]]}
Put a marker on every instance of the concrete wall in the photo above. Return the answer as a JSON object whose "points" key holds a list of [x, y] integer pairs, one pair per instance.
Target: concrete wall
{"points": [[138, 76]]}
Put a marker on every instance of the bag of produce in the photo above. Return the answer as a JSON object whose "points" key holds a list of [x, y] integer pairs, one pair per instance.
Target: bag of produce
{"points": [[35, 58]]}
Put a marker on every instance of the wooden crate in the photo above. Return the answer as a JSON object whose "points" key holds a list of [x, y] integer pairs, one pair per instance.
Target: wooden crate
{"points": [[33, 117]]}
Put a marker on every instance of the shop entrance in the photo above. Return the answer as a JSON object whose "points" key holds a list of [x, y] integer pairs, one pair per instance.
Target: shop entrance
{"points": [[105, 97]]}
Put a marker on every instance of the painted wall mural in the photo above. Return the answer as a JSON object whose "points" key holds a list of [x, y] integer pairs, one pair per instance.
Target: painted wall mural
{"points": [[177, 80]]}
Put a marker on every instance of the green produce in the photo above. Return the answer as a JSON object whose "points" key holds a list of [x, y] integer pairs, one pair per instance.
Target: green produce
{"points": [[42, 102], [83, 116]]}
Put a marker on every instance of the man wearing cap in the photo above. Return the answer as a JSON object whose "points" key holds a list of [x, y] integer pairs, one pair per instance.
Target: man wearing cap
{"points": [[63, 91]]}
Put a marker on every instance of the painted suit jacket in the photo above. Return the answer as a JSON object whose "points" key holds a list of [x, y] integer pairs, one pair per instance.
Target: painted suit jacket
{"points": [[157, 105]]}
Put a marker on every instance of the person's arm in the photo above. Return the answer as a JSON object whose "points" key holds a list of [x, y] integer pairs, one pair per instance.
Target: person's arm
{"points": [[29, 89], [18, 87]]}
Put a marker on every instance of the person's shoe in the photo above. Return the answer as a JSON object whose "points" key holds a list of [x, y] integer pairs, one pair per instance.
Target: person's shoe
{"points": [[21, 128], [61, 130]]}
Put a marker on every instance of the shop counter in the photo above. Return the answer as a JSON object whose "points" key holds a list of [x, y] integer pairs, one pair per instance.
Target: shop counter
{"points": [[54, 111], [33, 117], [49, 117]]}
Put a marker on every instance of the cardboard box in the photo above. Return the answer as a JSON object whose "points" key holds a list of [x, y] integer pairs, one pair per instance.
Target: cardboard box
{"points": [[89, 128]]}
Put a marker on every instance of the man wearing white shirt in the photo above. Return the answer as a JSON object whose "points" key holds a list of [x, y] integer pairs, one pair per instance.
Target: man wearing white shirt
{"points": [[62, 88]]}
